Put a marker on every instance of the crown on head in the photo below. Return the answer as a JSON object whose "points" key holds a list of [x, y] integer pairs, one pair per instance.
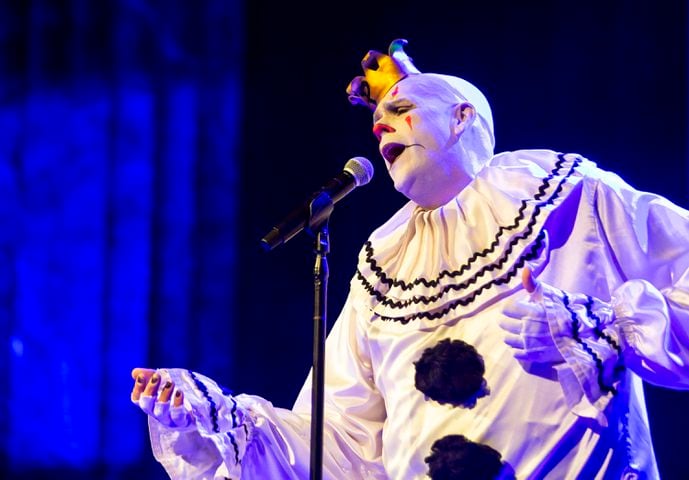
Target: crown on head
{"points": [[381, 72]]}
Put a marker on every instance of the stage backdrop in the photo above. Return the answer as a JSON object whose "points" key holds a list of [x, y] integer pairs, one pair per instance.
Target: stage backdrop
{"points": [[118, 173], [147, 145]]}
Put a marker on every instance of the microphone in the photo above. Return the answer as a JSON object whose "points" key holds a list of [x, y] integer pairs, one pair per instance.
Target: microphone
{"points": [[357, 171]]}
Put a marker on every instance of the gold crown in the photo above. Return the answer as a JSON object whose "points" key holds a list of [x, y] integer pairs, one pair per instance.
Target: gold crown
{"points": [[381, 72]]}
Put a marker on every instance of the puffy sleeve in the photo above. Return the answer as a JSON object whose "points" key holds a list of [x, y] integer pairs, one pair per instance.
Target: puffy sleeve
{"points": [[649, 238], [246, 437], [644, 325]]}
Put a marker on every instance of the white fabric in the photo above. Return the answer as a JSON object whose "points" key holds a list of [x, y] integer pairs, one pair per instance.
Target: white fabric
{"points": [[613, 262]]}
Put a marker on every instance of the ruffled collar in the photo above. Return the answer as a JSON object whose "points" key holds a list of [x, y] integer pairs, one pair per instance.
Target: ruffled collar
{"points": [[430, 266]]}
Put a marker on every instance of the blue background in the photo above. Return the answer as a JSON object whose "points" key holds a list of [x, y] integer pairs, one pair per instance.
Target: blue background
{"points": [[146, 147]]}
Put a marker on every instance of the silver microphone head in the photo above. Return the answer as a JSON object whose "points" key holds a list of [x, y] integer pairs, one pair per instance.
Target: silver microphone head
{"points": [[361, 169]]}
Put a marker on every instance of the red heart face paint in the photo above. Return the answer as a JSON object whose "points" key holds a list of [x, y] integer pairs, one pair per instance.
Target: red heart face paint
{"points": [[408, 120], [395, 92]]}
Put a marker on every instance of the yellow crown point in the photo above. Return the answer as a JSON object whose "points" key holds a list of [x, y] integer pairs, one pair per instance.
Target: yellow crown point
{"points": [[381, 72]]}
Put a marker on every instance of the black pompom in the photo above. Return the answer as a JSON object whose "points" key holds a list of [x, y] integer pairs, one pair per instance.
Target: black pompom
{"points": [[451, 372], [454, 457]]}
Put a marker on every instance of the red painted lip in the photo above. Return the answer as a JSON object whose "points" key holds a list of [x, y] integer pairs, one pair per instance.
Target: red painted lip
{"points": [[391, 151]]}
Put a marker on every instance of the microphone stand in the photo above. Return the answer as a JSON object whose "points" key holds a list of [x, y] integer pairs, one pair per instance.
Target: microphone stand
{"points": [[358, 171], [320, 209]]}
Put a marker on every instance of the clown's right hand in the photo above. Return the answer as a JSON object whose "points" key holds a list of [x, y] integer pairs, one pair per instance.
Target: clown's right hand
{"points": [[155, 399]]}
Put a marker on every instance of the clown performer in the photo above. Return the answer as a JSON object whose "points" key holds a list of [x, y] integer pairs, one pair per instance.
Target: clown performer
{"points": [[499, 325]]}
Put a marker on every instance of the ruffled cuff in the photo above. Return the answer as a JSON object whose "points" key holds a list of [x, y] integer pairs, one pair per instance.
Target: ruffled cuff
{"points": [[645, 322], [641, 317], [213, 446], [580, 327]]}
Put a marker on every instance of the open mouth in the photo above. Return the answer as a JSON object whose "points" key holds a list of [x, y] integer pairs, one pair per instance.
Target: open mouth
{"points": [[392, 150]]}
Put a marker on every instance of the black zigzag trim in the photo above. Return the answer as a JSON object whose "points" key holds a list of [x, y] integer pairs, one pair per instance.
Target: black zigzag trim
{"points": [[496, 265], [233, 412], [214, 413], [235, 447], [214, 409], [530, 255], [598, 330], [575, 334], [542, 191]]}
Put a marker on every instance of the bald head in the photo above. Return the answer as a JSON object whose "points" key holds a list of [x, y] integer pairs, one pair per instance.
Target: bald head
{"points": [[433, 138], [479, 140], [452, 90]]}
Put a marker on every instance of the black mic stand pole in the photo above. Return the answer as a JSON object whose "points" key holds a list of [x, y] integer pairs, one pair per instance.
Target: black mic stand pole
{"points": [[320, 322], [320, 208]]}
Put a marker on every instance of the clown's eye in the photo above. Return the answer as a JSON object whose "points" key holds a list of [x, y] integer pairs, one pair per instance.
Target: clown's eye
{"points": [[400, 109]]}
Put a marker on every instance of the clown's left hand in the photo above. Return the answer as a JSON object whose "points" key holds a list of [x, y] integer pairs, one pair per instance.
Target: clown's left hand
{"points": [[574, 333], [550, 322], [526, 325]]}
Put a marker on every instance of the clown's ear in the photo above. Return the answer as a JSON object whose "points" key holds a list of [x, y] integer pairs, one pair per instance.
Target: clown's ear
{"points": [[464, 114]]}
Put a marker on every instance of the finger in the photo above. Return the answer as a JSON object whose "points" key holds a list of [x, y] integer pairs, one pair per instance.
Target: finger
{"points": [[139, 386], [146, 403], [526, 356], [514, 341], [179, 399], [146, 372], [161, 411], [518, 309], [537, 354], [178, 413], [166, 392], [151, 389], [528, 280], [180, 417], [511, 325]]}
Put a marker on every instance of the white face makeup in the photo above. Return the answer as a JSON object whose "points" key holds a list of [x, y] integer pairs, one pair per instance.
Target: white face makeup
{"points": [[417, 126]]}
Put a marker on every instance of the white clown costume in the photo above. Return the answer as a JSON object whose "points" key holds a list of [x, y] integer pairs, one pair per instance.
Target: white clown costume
{"points": [[419, 380]]}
